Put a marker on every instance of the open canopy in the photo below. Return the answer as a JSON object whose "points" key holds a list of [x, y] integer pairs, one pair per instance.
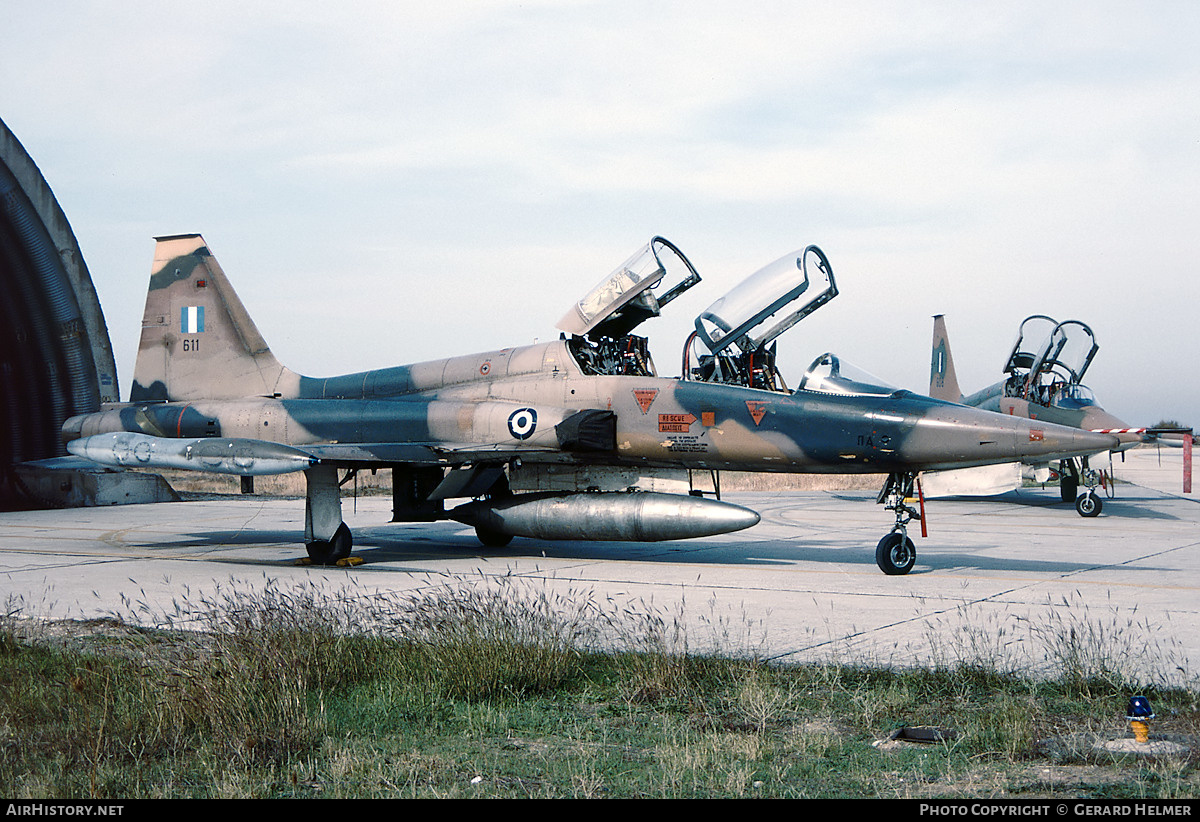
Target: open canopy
{"points": [[1050, 358], [740, 329], [740, 318], [625, 298]]}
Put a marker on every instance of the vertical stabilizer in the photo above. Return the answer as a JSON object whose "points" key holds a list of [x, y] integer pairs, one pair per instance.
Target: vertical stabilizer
{"points": [[943, 382], [198, 341]]}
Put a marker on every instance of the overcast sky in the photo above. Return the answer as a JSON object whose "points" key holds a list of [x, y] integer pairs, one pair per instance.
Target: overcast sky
{"points": [[392, 182]]}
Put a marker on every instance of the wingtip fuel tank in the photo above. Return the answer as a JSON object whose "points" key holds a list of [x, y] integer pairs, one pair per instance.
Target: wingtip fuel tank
{"points": [[219, 455]]}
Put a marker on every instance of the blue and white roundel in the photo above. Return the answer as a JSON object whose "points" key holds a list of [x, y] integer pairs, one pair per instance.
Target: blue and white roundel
{"points": [[522, 423]]}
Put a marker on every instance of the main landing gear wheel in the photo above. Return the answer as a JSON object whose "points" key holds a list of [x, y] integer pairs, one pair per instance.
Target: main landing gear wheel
{"points": [[896, 555], [330, 552], [492, 539], [1089, 504]]}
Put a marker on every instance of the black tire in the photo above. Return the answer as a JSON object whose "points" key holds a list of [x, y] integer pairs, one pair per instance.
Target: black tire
{"points": [[1068, 486], [493, 539], [322, 552], [895, 555], [1089, 504]]}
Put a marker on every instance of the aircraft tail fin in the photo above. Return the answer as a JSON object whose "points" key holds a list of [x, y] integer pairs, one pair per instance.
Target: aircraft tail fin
{"points": [[943, 382], [198, 341]]}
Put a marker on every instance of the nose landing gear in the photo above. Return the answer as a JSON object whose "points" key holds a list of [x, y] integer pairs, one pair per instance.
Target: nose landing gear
{"points": [[1073, 472], [895, 554]]}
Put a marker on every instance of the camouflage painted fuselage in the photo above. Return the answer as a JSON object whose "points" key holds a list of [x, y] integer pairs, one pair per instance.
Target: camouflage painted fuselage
{"points": [[467, 405]]}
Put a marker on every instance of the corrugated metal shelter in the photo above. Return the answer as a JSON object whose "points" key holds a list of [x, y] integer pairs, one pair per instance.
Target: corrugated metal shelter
{"points": [[55, 355]]}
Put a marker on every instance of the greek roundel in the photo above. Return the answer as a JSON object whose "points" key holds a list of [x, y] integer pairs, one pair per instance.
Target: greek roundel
{"points": [[522, 423]]}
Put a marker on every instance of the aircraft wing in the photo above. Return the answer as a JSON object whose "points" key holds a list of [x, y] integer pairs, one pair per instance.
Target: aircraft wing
{"points": [[394, 453]]}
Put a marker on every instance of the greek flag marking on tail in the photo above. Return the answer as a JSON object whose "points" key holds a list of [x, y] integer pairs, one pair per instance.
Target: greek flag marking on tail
{"points": [[191, 319]]}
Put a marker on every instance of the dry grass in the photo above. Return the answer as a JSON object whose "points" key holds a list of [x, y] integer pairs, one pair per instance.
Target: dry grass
{"points": [[477, 687]]}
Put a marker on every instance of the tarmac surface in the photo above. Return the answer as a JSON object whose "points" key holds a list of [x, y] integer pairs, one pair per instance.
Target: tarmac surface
{"points": [[1019, 581]]}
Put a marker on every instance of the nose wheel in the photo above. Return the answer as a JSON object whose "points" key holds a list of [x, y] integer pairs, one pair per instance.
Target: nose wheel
{"points": [[895, 554], [1089, 504]]}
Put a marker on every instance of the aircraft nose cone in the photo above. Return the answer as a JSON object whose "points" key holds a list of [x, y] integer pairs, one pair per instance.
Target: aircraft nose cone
{"points": [[958, 436]]}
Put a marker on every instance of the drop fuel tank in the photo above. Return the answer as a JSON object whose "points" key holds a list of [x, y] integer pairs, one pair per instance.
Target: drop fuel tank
{"points": [[635, 516]]}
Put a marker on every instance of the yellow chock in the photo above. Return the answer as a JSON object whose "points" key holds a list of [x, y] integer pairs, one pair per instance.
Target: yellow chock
{"points": [[348, 562]]}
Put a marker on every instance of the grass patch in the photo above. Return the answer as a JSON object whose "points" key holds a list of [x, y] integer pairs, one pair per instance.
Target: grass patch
{"points": [[480, 687]]}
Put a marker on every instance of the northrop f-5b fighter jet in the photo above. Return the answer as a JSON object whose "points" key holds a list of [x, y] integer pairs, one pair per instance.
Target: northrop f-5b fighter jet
{"points": [[578, 438], [1043, 381]]}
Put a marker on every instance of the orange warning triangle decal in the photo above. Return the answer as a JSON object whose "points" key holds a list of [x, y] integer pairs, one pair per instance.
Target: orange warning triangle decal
{"points": [[757, 409], [645, 397]]}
